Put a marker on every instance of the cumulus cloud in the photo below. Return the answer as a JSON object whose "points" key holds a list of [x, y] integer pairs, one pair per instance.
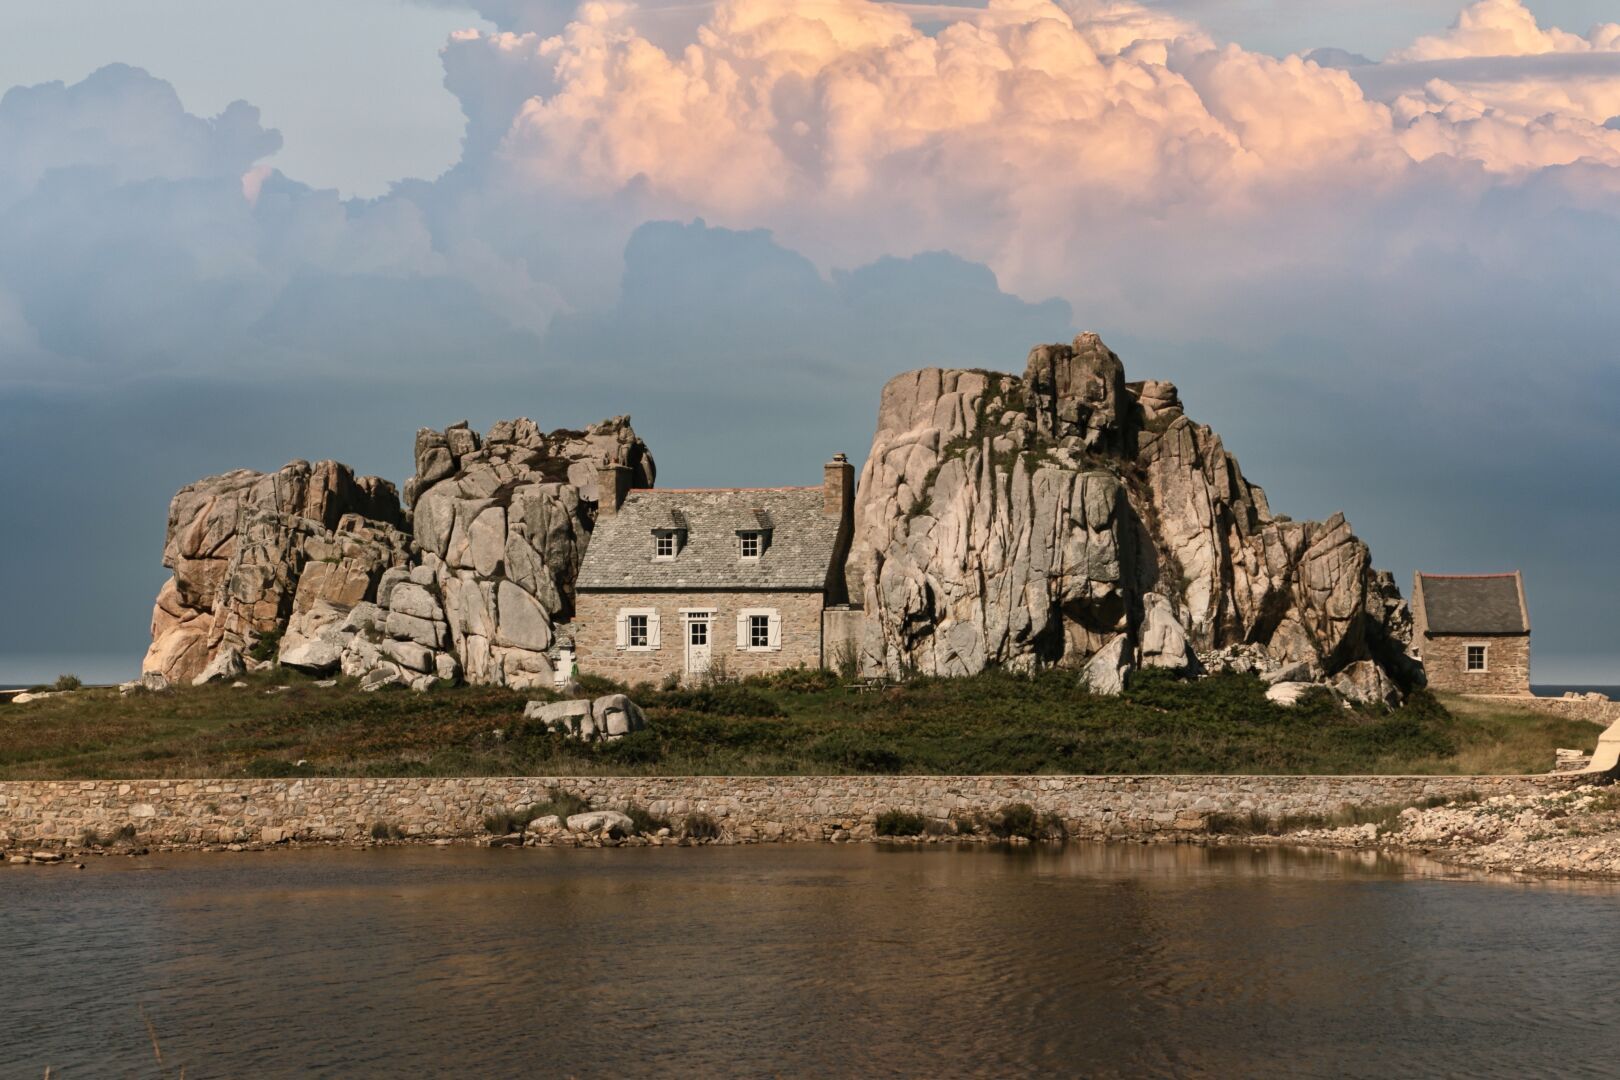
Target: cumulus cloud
{"points": [[1506, 28], [852, 131], [126, 125]]}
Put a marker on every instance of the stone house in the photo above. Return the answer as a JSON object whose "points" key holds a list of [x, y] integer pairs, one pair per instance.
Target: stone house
{"points": [[1472, 632], [724, 580]]}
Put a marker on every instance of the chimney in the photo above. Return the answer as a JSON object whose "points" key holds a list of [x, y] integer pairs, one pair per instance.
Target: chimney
{"points": [[612, 484], [838, 486]]}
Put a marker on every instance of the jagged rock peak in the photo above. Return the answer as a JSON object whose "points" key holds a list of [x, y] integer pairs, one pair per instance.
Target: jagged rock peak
{"points": [[1007, 521], [565, 455]]}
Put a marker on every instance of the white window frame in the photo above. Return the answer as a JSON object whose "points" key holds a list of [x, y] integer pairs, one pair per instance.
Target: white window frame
{"points": [[758, 539], [659, 540], [622, 629], [745, 630], [1484, 658]]}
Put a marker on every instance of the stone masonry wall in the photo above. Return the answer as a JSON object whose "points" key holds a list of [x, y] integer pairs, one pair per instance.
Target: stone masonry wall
{"points": [[1593, 708], [1507, 662], [597, 653], [766, 807]]}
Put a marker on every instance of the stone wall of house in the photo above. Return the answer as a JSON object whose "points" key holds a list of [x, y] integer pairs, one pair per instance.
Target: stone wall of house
{"points": [[597, 653], [842, 629], [1507, 663], [765, 807]]}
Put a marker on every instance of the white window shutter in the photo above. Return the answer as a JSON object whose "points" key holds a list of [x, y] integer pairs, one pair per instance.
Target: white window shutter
{"points": [[742, 630], [776, 629], [621, 629], [653, 637]]}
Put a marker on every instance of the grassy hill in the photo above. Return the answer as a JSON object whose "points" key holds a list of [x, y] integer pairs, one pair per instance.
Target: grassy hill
{"points": [[797, 722]]}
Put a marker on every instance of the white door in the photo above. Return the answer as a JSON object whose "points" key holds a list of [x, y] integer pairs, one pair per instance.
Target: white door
{"points": [[697, 643]]}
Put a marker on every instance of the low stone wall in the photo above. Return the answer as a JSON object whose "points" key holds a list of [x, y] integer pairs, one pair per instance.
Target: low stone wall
{"points": [[748, 807], [1593, 707]]}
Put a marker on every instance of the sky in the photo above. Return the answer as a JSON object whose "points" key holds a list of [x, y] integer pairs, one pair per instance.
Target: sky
{"points": [[1372, 242]]}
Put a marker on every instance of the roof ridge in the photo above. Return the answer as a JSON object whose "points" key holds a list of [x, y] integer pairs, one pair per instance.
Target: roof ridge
{"points": [[704, 490], [1509, 573]]}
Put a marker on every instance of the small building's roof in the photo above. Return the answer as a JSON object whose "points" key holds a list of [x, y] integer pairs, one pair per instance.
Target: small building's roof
{"points": [[1473, 603], [802, 540]]}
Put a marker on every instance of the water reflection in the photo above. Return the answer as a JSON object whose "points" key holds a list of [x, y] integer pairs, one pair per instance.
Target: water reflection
{"points": [[823, 961]]}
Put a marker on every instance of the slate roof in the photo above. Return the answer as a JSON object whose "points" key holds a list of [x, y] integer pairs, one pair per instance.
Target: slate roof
{"points": [[802, 541], [1473, 603]]}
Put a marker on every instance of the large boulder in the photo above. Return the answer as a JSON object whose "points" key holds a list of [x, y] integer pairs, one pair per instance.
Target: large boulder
{"points": [[1109, 667], [249, 550], [1015, 522], [609, 717]]}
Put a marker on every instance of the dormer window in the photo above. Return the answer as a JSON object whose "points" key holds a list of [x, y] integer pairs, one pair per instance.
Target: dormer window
{"points": [[750, 544], [664, 545]]}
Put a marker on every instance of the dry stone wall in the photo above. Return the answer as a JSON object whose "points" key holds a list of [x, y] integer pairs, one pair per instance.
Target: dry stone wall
{"points": [[763, 808]]}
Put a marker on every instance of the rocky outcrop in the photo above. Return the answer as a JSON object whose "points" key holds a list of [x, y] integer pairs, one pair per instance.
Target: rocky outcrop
{"points": [[500, 526], [1019, 521], [249, 550], [468, 582]]}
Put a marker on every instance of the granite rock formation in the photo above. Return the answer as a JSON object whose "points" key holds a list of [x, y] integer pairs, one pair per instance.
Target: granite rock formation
{"points": [[251, 550], [500, 527], [1068, 517], [329, 570]]}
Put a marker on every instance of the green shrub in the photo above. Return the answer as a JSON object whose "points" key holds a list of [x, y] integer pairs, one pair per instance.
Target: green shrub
{"points": [[1023, 820], [795, 680], [383, 830], [855, 751], [901, 823], [67, 682], [564, 804], [700, 826], [265, 646], [595, 686], [714, 699], [559, 803], [645, 821]]}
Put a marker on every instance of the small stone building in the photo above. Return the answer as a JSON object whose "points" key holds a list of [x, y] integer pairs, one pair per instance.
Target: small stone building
{"points": [[1472, 632], [724, 580]]}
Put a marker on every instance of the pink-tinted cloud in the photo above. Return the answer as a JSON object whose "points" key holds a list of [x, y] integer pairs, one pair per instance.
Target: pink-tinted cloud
{"points": [[1017, 134]]}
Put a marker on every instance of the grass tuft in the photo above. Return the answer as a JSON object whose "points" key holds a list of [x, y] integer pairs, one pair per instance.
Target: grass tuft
{"points": [[646, 822], [700, 826]]}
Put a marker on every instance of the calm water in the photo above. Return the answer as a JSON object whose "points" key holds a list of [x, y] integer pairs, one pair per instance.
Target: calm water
{"points": [[802, 961]]}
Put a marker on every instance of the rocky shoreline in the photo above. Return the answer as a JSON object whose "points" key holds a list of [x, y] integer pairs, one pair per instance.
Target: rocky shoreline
{"points": [[1573, 832], [1569, 833]]}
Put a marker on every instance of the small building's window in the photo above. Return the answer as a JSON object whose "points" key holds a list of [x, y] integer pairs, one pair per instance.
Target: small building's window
{"points": [[1476, 658], [664, 546], [636, 633], [750, 545], [759, 629]]}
